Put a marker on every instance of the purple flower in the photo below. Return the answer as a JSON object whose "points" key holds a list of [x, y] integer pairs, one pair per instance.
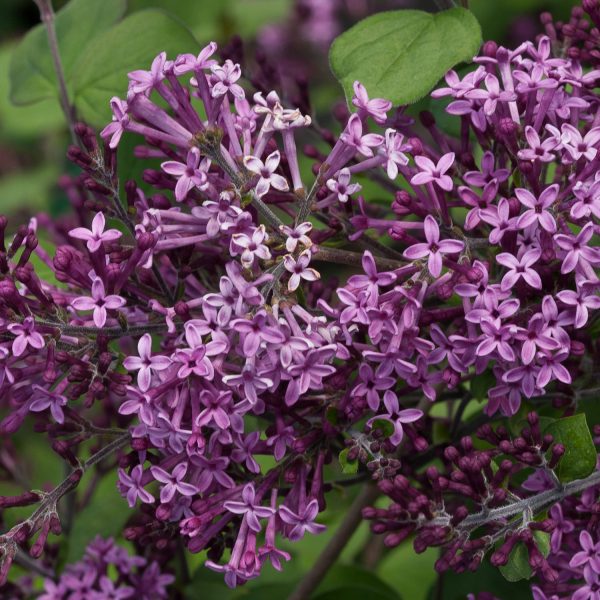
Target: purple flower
{"points": [[225, 78], [492, 95], [589, 554], [299, 269], [252, 246], [120, 120], [578, 252], [537, 208], [100, 302], [537, 150], [297, 235], [376, 108], [561, 526], [145, 363], [139, 403], [342, 186], [371, 281], [267, 174], [302, 521], [432, 173], [520, 268], [583, 299], [247, 507], [96, 236], [173, 482], [434, 248], [44, 399], [188, 62], [190, 174], [143, 82], [26, 336], [396, 416], [353, 136], [393, 151], [497, 338], [132, 486]]}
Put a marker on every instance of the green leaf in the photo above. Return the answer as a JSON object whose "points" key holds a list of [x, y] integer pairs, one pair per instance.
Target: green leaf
{"points": [[385, 426], [480, 384], [351, 593], [400, 55], [579, 459], [32, 75], [349, 467], [101, 71], [517, 567]]}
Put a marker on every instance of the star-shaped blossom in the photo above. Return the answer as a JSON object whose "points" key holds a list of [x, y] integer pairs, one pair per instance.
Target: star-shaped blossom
{"points": [[429, 172], [143, 82], [538, 150], [299, 269], [393, 152], [173, 482], [579, 146], [120, 119], [96, 236], [353, 136], [44, 399], [297, 235], [301, 521], [433, 249], [145, 363], [100, 302], [247, 507], [191, 174], [396, 416], [342, 186], [376, 108], [188, 62], [491, 95], [589, 554], [520, 268], [267, 174], [26, 335], [537, 208], [577, 250], [582, 300], [132, 486], [253, 246], [225, 78]]}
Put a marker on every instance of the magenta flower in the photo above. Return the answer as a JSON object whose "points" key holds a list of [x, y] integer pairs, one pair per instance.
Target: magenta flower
{"points": [[353, 136], [302, 521], [140, 404], [537, 150], [96, 236], [579, 146], [267, 174], [342, 186], [120, 120], [578, 252], [299, 269], [188, 62], [376, 108], [491, 95], [432, 173], [143, 82], [190, 175], [145, 363], [582, 300], [26, 335], [297, 235], [393, 151], [433, 248], [396, 416], [225, 78], [520, 269], [173, 482], [589, 554], [252, 245], [537, 208], [100, 302], [247, 507], [132, 486], [496, 338], [44, 399]]}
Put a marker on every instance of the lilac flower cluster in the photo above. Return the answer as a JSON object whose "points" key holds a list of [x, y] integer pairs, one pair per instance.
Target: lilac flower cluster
{"points": [[108, 571], [198, 310]]}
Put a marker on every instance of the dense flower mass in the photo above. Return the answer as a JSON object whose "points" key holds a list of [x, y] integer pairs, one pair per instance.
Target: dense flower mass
{"points": [[199, 311]]}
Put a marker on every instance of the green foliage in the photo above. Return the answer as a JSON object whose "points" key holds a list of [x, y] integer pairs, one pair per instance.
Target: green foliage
{"points": [[579, 459], [32, 75], [517, 567], [349, 467], [400, 55]]}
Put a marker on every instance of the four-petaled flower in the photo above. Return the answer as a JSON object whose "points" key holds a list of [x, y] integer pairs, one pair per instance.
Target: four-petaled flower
{"points": [[301, 521], [396, 416], [266, 170], [537, 208], [100, 302], [353, 136], [96, 236], [342, 186], [247, 507], [47, 399], [520, 268], [429, 172], [145, 363], [133, 487], [376, 108], [26, 336], [299, 269], [190, 174], [433, 248], [173, 482]]}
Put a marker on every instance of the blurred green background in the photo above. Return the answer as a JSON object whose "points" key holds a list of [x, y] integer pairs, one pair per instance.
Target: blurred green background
{"points": [[33, 141]]}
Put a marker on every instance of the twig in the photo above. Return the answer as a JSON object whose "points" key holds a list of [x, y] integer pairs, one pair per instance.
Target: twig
{"points": [[47, 17], [347, 257], [24, 560], [340, 538]]}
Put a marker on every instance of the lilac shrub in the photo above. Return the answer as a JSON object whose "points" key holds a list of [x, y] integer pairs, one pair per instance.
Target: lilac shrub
{"points": [[194, 317]]}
